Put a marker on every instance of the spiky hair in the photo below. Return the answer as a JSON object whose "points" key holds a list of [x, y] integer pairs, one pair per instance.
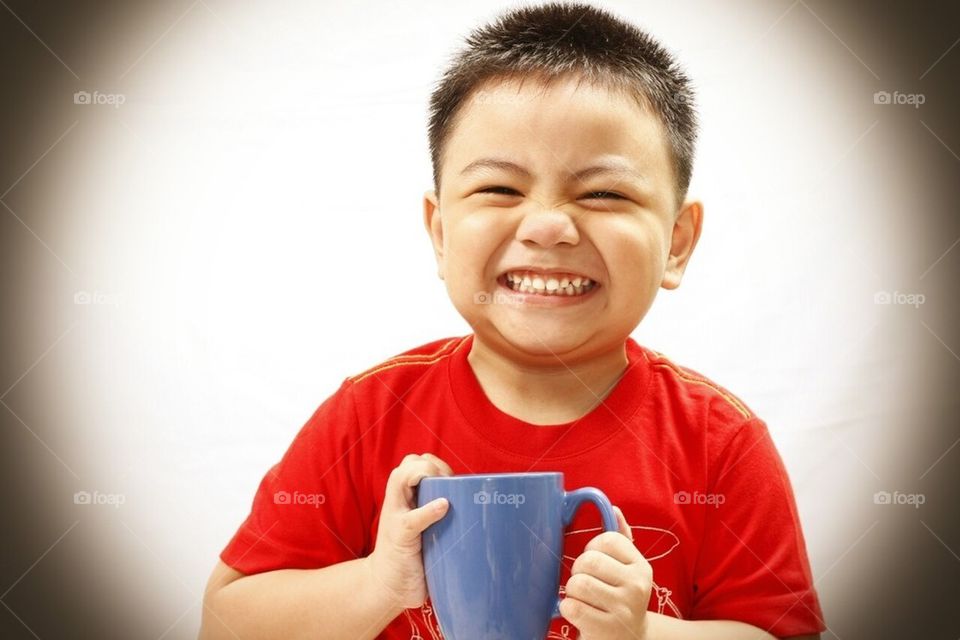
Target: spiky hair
{"points": [[560, 40]]}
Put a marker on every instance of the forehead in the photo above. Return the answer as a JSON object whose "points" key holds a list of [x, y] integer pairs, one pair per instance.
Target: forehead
{"points": [[556, 127]]}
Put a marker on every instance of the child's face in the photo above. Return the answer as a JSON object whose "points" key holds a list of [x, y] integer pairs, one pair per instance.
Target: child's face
{"points": [[494, 224]]}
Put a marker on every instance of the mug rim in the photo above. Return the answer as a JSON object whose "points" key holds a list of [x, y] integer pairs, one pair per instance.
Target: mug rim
{"points": [[516, 474]]}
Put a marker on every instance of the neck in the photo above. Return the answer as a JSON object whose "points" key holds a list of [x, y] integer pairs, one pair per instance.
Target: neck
{"points": [[555, 393]]}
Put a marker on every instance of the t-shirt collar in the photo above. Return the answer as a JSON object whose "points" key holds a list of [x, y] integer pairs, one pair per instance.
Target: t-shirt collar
{"points": [[547, 442]]}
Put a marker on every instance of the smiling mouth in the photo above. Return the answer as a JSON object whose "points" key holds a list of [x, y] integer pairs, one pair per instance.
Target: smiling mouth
{"points": [[547, 284]]}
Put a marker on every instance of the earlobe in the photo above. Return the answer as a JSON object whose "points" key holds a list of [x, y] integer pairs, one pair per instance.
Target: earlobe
{"points": [[686, 233]]}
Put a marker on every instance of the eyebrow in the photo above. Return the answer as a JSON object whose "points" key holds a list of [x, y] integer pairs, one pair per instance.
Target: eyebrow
{"points": [[614, 168]]}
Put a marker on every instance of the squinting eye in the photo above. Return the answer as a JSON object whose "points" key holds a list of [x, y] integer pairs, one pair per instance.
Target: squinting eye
{"points": [[605, 195], [499, 190]]}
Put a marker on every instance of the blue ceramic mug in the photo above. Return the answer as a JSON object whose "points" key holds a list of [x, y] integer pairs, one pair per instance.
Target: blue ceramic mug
{"points": [[493, 561]]}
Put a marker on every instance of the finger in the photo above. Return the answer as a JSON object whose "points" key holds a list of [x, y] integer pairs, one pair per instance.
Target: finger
{"points": [[615, 545], [419, 470], [592, 591], [602, 567], [445, 469], [404, 478], [416, 520], [587, 619], [624, 525]]}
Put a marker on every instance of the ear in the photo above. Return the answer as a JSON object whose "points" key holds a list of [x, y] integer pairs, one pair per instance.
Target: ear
{"points": [[433, 224], [686, 233]]}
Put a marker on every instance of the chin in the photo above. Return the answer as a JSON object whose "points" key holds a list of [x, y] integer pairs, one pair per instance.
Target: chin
{"points": [[543, 341]]}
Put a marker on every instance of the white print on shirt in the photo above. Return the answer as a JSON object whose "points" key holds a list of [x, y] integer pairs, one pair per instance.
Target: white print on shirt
{"points": [[662, 593], [433, 627]]}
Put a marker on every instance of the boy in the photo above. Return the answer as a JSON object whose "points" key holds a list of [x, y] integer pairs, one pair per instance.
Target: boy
{"points": [[562, 143]]}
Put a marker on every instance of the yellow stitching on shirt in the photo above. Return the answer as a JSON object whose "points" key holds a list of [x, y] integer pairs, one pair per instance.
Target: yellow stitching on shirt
{"points": [[737, 404], [392, 362], [416, 356], [420, 355]]}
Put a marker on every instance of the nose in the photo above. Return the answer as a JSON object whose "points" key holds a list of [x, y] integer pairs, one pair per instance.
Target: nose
{"points": [[548, 228]]}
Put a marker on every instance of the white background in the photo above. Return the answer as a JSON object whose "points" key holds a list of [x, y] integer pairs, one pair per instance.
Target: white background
{"points": [[254, 207]]}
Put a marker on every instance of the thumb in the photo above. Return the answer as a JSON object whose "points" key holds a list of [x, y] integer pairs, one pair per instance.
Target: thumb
{"points": [[416, 520], [624, 526]]}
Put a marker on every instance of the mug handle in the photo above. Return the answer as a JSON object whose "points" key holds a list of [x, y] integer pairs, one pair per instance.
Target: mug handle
{"points": [[572, 501]]}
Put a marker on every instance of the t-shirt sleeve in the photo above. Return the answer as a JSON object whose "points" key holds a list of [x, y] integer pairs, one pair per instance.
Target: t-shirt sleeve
{"points": [[753, 564], [307, 512]]}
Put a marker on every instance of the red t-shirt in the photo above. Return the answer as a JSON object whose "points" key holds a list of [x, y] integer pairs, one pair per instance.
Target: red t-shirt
{"points": [[693, 469]]}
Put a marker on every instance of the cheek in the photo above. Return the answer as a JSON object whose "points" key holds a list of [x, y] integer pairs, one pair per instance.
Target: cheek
{"points": [[633, 258], [472, 240]]}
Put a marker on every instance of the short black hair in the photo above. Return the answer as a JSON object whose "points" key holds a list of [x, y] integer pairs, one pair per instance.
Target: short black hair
{"points": [[563, 39]]}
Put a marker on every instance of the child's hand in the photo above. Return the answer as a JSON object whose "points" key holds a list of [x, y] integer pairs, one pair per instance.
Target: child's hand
{"points": [[396, 559], [609, 588]]}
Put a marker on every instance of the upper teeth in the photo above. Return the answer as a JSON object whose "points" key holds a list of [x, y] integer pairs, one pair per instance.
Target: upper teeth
{"points": [[555, 284]]}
